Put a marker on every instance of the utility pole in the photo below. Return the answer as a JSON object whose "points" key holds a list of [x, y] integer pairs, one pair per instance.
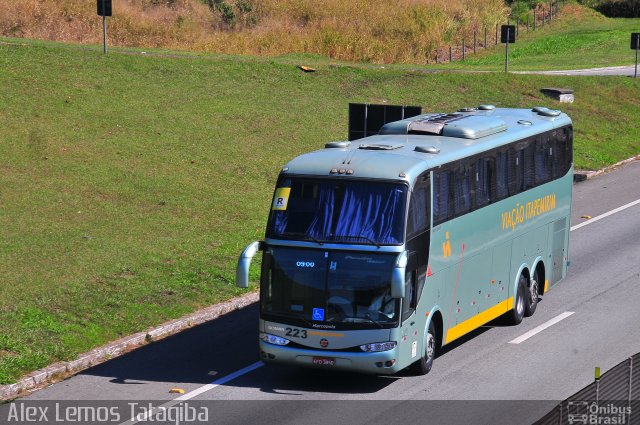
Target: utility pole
{"points": [[635, 44]]}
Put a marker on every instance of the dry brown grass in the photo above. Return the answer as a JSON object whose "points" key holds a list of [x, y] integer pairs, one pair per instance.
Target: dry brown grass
{"points": [[360, 30]]}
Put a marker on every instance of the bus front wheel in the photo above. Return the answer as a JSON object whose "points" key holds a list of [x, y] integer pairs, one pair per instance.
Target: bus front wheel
{"points": [[423, 366]]}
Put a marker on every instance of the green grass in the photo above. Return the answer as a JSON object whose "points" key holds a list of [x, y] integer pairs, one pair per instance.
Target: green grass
{"points": [[579, 38], [130, 183]]}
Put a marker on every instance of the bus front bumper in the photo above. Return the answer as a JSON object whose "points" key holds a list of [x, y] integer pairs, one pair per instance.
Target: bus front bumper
{"points": [[383, 362]]}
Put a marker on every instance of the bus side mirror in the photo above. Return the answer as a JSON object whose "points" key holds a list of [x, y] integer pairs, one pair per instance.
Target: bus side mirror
{"points": [[398, 276], [244, 262]]}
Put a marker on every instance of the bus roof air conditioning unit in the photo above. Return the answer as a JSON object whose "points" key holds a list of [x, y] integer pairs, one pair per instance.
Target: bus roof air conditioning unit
{"points": [[474, 127], [457, 125]]}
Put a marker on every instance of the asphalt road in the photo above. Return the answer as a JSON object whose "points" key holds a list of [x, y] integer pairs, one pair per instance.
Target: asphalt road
{"points": [[602, 290], [627, 71]]}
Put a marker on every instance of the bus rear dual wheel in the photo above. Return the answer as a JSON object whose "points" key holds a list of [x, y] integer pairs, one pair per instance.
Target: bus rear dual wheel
{"points": [[526, 299]]}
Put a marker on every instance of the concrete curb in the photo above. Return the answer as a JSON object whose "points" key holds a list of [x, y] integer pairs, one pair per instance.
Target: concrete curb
{"points": [[580, 176], [61, 370]]}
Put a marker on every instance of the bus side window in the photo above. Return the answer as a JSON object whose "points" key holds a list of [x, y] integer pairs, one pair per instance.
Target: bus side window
{"points": [[556, 145], [462, 191], [484, 177], [441, 197], [543, 158], [563, 154], [569, 147], [516, 171], [502, 176], [528, 169], [418, 210]]}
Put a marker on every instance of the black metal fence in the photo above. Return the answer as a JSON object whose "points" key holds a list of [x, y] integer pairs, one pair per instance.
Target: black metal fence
{"points": [[482, 38], [612, 399]]}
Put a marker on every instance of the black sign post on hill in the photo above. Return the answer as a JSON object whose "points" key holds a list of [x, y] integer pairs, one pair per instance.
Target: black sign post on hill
{"points": [[507, 35], [635, 44], [104, 10]]}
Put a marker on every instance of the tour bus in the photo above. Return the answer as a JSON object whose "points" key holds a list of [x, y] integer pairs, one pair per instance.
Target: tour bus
{"points": [[380, 251]]}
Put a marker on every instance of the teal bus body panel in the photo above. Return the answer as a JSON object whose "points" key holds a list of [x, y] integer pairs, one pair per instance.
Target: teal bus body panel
{"points": [[476, 259]]}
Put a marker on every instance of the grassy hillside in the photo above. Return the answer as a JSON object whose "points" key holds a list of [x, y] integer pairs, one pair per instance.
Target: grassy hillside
{"points": [[579, 38], [360, 30], [129, 183], [375, 31]]}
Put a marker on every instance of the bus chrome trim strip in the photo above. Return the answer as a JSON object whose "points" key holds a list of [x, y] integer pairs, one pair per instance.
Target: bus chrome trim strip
{"points": [[479, 319]]}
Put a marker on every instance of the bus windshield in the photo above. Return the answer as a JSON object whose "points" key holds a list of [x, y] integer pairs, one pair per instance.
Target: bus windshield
{"points": [[338, 211], [346, 289]]}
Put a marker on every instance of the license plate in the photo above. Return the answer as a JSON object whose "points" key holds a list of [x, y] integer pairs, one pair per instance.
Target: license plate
{"points": [[324, 361]]}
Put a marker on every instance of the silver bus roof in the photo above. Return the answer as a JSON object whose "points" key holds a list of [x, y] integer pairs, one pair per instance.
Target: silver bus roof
{"points": [[404, 149]]}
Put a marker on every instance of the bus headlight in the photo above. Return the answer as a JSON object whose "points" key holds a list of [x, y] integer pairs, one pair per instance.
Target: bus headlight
{"points": [[378, 346], [272, 339]]}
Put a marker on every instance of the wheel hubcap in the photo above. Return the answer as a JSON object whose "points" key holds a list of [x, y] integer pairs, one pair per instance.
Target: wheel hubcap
{"points": [[534, 292], [520, 303]]}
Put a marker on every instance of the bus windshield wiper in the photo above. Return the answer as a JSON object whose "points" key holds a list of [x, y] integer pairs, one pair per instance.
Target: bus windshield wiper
{"points": [[360, 237], [296, 316], [304, 235], [368, 316]]}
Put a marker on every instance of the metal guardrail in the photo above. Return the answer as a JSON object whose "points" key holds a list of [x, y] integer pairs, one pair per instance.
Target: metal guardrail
{"points": [[612, 399]]}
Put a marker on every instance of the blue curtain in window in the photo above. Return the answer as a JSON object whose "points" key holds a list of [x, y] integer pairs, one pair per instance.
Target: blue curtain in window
{"points": [[419, 210], [280, 222], [322, 211], [323, 220], [373, 215]]}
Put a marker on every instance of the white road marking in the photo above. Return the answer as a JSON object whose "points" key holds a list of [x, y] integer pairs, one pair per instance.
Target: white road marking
{"points": [[542, 327], [188, 396], [218, 382], [607, 214]]}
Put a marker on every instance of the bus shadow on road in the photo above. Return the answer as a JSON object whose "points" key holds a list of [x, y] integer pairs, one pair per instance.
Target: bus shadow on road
{"points": [[197, 355], [292, 380], [499, 322]]}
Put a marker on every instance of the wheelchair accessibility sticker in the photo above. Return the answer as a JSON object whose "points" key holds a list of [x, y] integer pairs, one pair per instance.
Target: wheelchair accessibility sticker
{"points": [[318, 314]]}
